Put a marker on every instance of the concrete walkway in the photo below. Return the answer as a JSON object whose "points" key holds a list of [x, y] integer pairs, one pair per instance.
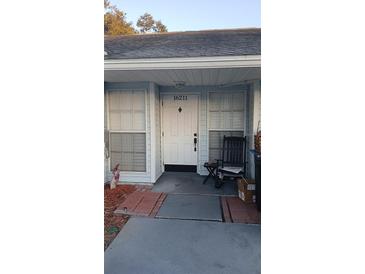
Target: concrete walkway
{"points": [[160, 246], [191, 207]]}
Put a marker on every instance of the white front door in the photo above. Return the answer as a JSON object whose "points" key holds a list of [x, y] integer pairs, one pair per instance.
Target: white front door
{"points": [[180, 128]]}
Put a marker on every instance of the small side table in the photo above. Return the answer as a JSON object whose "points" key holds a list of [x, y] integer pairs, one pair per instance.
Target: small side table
{"points": [[211, 167]]}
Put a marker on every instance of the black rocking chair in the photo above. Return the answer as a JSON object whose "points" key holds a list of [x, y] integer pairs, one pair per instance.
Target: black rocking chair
{"points": [[233, 162]]}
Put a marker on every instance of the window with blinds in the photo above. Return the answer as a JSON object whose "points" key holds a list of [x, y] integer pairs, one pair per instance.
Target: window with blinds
{"points": [[129, 150], [127, 110], [226, 117], [127, 123], [226, 111]]}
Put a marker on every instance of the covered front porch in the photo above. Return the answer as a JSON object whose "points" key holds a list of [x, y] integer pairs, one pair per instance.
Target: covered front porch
{"points": [[217, 98]]}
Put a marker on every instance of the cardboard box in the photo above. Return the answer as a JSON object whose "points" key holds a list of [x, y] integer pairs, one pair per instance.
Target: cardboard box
{"points": [[246, 190]]}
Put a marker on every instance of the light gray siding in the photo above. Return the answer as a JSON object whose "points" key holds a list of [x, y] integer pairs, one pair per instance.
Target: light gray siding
{"points": [[155, 132], [203, 133], [158, 163]]}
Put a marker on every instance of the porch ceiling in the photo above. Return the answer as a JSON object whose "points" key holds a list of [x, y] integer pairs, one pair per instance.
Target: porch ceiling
{"points": [[191, 77]]}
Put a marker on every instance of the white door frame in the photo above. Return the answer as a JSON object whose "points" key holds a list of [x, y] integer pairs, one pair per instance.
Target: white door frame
{"points": [[162, 125]]}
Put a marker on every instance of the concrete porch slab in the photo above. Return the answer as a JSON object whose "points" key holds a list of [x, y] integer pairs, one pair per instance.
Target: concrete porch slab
{"points": [[147, 245], [191, 183], [191, 207]]}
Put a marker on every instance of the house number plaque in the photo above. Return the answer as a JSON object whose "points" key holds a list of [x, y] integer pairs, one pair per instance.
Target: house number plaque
{"points": [[180, 98]]}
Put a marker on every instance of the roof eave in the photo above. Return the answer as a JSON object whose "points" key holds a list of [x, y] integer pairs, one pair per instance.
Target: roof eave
{"points": [[240, 61]]}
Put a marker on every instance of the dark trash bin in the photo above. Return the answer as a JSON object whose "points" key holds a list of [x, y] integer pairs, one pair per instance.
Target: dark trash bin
{"points": [[257, 157]]}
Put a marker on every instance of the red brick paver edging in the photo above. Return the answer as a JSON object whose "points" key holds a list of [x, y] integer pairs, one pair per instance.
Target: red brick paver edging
{"points": [[236, 211], [141, 203]]}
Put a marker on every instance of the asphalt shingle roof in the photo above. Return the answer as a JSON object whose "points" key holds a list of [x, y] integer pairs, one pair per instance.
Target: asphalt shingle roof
{"points": [[184, 44]]}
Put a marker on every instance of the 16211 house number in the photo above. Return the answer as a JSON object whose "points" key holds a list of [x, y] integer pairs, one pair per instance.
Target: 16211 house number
{"points": [[180, 98]]}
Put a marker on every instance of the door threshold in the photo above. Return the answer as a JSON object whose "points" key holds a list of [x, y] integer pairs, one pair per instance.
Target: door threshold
{"points": [[180, 168]]}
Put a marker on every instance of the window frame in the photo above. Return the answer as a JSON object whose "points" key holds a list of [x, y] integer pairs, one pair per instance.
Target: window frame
{"points": [[108, 92], [244, 113]]}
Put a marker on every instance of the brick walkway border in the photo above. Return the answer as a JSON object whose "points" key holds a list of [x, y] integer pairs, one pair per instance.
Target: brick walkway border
{"points": [[141, 204], [236, 211], [147, 204]]}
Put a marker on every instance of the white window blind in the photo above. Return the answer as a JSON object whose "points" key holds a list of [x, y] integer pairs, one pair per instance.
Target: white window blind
{"points": [[129, 150], [226, 117], [226, 110], [127, 110]]}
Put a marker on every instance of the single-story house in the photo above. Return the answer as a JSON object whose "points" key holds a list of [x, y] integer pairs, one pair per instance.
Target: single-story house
{"points": [[171, 97]]}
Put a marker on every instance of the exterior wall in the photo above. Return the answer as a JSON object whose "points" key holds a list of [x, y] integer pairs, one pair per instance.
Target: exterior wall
{"points": [[158, 164], [154, 165], [156, 169]]}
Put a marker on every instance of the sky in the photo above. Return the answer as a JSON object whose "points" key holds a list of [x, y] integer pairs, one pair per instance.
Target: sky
{"points": [[195, 14]]}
